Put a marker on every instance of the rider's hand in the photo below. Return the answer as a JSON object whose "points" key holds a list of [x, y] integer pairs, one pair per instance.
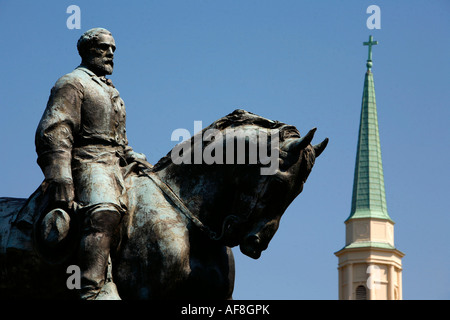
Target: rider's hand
{"points": [[131, 156], [62, 192]]}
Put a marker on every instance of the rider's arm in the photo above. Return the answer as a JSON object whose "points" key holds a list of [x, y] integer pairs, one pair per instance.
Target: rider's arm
{"points": [[55, 134]]}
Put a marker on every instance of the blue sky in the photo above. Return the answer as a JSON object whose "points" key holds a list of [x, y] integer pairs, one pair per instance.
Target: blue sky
{"points": [[299, 62]]}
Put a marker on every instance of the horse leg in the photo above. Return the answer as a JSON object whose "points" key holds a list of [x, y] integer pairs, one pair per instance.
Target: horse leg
{"points": [[211, 269], [154, 257], [173, 268]]}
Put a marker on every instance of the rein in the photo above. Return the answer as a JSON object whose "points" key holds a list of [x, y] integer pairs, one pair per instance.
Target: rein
{"points": [[178, 202]]}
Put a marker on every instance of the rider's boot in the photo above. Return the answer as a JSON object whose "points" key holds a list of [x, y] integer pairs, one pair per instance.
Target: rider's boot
{"points": [[94, 251]]}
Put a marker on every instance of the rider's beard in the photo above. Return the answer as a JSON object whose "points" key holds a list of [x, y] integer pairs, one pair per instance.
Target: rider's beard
{"points": [[101, 65]]}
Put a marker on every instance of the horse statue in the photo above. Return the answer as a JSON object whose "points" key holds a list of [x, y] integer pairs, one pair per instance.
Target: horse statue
{"points": [[183, 219]]}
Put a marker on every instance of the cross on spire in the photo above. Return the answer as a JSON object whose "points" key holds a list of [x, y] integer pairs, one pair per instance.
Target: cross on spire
{"points": [[370, 43]]}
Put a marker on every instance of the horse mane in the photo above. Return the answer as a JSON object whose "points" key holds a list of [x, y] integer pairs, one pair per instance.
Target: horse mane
{"points": [[234, 120]]}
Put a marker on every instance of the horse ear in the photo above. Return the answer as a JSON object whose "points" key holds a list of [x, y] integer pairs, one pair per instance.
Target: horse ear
{"points": [[296, 145], [318, 148]]}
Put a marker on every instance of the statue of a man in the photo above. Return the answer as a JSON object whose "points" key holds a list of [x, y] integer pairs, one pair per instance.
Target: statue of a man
{"points": [[82, 149]]}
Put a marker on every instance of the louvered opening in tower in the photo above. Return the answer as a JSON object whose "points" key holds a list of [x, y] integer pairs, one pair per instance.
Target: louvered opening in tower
{"points": [[361, 293]]}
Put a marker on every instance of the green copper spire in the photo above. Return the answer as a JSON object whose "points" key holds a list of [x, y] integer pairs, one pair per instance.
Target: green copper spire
{"points": [[369, 197]]}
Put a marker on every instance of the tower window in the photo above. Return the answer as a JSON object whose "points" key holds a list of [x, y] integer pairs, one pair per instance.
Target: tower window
{"points": [[361, 293]]}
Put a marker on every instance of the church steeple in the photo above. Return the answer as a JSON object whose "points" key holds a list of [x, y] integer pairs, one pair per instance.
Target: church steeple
{"points": [[369, 264], [369, 198]]}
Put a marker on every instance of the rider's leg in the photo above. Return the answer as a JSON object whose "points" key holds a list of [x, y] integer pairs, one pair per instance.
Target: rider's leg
{"points": [[100, 190], [99, 226]]}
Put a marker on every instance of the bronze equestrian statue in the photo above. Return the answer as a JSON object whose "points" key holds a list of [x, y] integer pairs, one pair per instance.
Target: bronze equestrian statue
{"points": [[138, 231]]}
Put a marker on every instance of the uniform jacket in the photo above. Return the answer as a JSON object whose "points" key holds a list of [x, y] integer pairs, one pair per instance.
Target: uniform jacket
{"points": [[82, 110]]}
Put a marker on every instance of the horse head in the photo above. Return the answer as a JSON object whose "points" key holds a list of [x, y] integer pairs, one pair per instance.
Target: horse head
{"points": [[233, 199], [297, 157]]}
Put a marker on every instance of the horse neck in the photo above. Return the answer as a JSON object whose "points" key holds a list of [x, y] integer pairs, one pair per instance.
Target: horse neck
{"points": [[202, 190], [214, 192]]}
